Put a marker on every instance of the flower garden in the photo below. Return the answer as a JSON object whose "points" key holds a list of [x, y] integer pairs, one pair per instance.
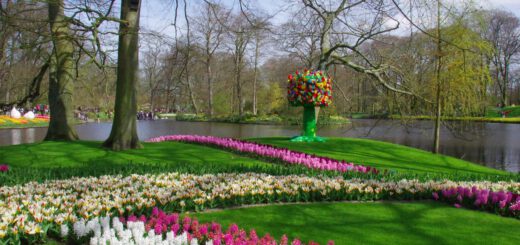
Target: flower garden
{"points": [[9, 122], [168, 204]]}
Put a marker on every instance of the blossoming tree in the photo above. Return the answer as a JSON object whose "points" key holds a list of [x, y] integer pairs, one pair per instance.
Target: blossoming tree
{"points": [[312, 90]]}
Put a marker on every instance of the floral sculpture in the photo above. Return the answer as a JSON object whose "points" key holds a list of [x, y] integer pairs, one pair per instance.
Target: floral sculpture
{"points": [[310, 89]]}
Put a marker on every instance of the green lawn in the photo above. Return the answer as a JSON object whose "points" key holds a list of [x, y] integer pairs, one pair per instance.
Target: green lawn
{"points": [[79, 153], [358, 223], [373, 223], [382, 155], [27, 125], [514, 111], [60, 160]]}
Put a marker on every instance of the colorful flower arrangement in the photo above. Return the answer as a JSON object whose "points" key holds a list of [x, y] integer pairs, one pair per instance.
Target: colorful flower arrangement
{"points": [[163, 228], [309, 88], [267, 151], [7, 120], [33, 209]]}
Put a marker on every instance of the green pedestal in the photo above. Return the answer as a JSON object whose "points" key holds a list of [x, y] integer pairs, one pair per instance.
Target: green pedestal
{"points": [[309, 126]]}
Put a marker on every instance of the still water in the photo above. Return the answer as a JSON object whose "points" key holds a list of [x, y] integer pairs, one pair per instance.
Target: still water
{"points": [[492, 144]]}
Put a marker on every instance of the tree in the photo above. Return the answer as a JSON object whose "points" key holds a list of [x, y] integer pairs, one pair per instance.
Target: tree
{"points": [[210, 29], [124, 133], [504, 35], [153, 68], [240, 35], [457, 54], [259, 29], [61, 80]]}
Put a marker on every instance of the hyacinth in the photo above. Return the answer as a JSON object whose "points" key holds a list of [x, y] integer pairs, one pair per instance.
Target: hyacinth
{"points": [[506, 202], [4, 168], [309, 88], [27, 209], [285, 155], [129, 230]]}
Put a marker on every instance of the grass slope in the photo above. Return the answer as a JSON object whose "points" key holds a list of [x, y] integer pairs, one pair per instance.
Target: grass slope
{"points": [[382, 155], [79, 153], [373, 223]]}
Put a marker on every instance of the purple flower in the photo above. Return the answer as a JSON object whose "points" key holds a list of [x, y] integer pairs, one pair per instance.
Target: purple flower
{"points": [[158, 228], [296, 242], [203, 229], [175, 228], [228, 238], [459, 198], [457, 205], [4, 168], [155, 211], [288, 156], [233, 229], [216, 228], [502, 204], [435, 195], [132, 218]]}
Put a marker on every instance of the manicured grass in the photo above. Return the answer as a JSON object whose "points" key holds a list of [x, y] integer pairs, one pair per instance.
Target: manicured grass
{"points": [[514, 111], [382, 155], [27, 125], [79, 153], [373, 223]]}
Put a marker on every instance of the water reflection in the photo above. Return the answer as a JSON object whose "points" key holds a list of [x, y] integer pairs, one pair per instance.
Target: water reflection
{"points": [[495, 145]]}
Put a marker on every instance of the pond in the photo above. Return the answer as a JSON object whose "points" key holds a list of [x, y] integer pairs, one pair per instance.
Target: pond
{"points": [[492, 144]]}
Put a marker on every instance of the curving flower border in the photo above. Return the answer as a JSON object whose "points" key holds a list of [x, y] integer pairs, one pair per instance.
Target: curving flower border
{"points": [[33, 209], [267, 151], [163, 228]]}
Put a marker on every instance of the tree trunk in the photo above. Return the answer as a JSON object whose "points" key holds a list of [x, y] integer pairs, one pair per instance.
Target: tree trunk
{"points": [[239, 94], [436, 136], [191, 94], [210, 86], [124, 132], [61, 86], [257, 53], [505, 80]]}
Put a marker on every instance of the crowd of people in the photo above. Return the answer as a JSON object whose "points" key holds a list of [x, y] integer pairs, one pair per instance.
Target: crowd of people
{"points": [[143, 115], [82, 113], [39, 109]]}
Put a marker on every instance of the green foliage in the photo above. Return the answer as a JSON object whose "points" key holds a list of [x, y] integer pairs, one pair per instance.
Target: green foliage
{"points": [[473, 119], [191, 117], [465, 77], [323, 119]]}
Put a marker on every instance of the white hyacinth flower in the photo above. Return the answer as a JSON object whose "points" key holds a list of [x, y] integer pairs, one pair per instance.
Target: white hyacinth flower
{"points": [[64, 230]]}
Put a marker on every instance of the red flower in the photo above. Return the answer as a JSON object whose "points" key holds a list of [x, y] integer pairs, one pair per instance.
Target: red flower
{"points": [[4, 168]]}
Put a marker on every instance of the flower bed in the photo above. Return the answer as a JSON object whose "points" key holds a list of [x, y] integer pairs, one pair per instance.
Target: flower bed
{"points": [[7, 121], [270, 152], [503, 202], [33, 209], [162, 228]]}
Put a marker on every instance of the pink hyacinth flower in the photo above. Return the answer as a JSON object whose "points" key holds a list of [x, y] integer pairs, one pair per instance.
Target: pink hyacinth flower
{"points": [[296, 242], [435, 196]]}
